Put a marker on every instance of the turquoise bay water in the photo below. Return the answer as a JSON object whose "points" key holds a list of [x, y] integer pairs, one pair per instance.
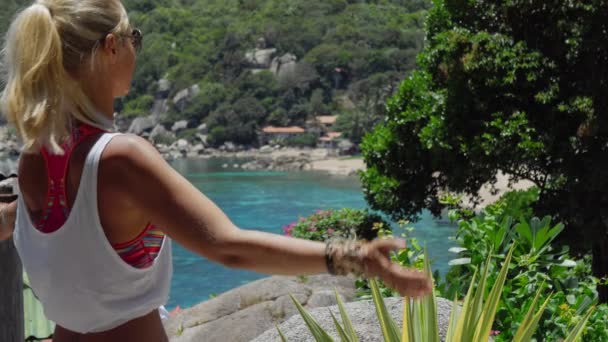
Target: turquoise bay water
{"points": [[267, 201]]}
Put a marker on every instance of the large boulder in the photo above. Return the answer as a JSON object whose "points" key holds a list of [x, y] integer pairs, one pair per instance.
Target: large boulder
{"points": [[180, 145], [164, 87], [202, 128], [196, 150], [143, 124], [203, 138], [4, 132], [185, 95], [248, 311], [286, 61], [291, 73], [364, 318], [8, 186], [8, 168], [160, 107], [160, 135], [179, 126], [260, 58]]}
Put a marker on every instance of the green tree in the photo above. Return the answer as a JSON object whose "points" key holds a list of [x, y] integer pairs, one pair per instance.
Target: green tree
{"points": [[317, 102], [238, 122], [139, 106], [210, 96], [513, 86], [356, 122]]}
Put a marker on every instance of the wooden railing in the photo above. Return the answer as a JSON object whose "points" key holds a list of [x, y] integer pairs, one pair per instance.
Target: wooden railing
{"points": [[11, 285]]}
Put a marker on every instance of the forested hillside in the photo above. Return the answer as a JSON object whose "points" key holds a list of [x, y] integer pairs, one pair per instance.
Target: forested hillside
{"points": [[260, 62]]}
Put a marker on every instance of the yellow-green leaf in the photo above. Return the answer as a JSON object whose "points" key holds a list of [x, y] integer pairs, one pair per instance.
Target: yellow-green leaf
{"points": [[491, 305], [283, 338], [387, 324], [460, 325], [454, 314], [576, 333], [316, 330], [343, 336], [348, 325], [407, 322], [527, 327]]}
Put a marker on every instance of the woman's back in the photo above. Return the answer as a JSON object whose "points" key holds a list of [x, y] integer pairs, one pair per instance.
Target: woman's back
{"points": [[82, 282], [120, 219]]}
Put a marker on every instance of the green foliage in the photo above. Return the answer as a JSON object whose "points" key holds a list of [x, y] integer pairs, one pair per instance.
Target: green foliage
{"points": [[504, 86], [355, 123], [362, 38], [212, 94], [317, 102], [138, 106], [302, 140], [237, 123], [343, 223], [536, 261], [517, 204], [470, 322], [188, 134], [37, 326]]}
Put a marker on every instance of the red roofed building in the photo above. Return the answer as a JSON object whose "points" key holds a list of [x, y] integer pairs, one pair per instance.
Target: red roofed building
{"points": [[330, 140], [327, 120], [283, 130], [321, 124], [278, 134]]}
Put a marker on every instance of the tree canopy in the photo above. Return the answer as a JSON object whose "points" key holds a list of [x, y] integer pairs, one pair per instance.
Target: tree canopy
{"points": [[513, 86]]}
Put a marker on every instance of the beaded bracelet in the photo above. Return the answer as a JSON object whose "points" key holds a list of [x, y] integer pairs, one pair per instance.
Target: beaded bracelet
{"points": [[344, 257]]}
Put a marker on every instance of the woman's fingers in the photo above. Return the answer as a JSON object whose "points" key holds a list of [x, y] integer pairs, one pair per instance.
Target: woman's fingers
{"points": [[388, 245], [411, 283], [407, 282]]}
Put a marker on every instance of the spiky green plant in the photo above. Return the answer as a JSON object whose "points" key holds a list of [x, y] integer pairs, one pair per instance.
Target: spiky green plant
{"points": [[470, 322]]}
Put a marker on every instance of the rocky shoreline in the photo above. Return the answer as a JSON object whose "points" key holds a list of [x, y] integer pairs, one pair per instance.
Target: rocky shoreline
{"points": [[269, 158], [265, 158], [253, 311]]}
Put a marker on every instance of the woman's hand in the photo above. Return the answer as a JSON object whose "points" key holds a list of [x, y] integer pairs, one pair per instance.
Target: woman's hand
{"points": [[377, 263]]}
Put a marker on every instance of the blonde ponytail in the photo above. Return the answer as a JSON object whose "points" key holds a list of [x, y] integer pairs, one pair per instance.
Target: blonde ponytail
{"points": [[46, 45]]}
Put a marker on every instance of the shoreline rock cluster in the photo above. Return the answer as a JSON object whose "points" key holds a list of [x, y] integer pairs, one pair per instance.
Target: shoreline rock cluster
{"points": [[246, 312], [10, 148], [252, 312], [275, 158], [267, 157]]}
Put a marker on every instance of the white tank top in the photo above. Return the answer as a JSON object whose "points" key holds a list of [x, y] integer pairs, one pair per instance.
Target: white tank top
{"points": [[82, 282]]}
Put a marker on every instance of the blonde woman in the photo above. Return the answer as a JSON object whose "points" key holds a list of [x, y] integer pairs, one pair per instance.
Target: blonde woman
{"points": [[97, 210]]}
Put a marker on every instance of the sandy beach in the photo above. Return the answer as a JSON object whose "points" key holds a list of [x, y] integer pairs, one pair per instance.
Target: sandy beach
{"points": [[338, 166], [489, 194]]}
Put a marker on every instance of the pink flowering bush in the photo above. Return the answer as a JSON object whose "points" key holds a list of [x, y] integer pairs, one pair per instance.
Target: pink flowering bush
{"points": [[343, 223]]}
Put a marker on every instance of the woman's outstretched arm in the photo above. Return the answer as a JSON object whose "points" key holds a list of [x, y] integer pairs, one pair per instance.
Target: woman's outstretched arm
{"points": [[194, 221]]}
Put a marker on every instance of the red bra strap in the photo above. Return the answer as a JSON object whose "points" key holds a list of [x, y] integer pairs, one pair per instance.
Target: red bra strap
{"points": [[56, 208]]}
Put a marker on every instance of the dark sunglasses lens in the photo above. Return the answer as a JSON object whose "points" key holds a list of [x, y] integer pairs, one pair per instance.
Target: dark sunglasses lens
{"points": [[137, 39]]}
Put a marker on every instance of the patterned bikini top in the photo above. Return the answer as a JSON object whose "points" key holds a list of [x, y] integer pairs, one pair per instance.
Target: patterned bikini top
{"points": [[139, 252]]}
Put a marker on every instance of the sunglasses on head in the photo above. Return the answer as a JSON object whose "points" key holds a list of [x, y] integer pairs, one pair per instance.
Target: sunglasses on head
{"points": [[136, 39]]}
